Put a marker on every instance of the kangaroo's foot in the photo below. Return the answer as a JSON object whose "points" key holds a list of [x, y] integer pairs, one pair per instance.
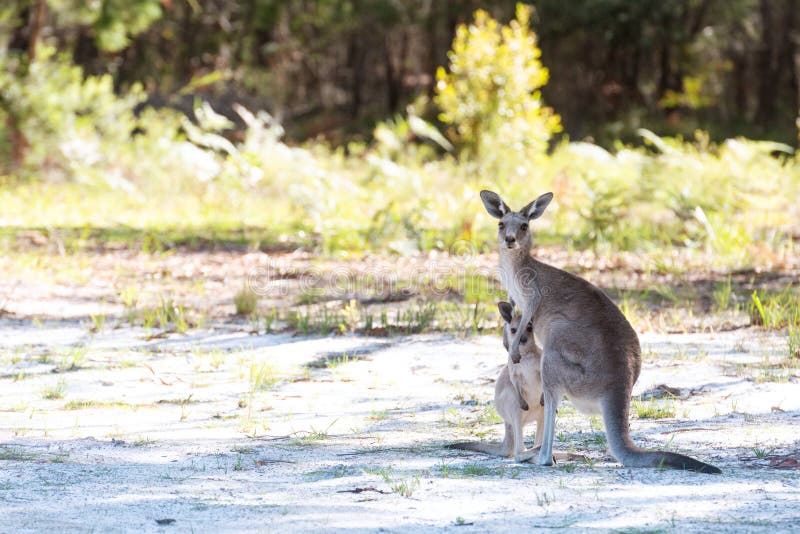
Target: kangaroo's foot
{"points": [[546, 459], [569, 456], [528, 454]]}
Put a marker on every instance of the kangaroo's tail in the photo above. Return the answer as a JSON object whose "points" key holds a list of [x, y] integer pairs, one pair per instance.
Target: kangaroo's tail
{"points": [[505, 448], [495, 449], [615, 417]]}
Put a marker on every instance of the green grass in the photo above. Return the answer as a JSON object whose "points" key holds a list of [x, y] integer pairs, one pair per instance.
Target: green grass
{"points": [[9, 454], [245, 301], [469, 470], [761, 453], [679, 196], [384, 472], [723, 295], [793, 342], [88, 404], [261, 376], [378, 415], [98, 323], [56, 391], [72, 359], [336, 471], [338, 361], [166, 315], [311, 437], [654, 409], [775, 310], [406, 487], [477, 423]]}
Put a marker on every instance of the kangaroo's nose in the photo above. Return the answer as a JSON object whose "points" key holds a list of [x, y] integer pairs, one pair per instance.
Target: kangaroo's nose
{"points": [[510, 239], [523, 340]]}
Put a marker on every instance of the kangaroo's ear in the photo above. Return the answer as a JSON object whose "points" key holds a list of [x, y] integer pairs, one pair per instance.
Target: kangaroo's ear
{"points": [[535, 209], [506, 311], [494, 204]]}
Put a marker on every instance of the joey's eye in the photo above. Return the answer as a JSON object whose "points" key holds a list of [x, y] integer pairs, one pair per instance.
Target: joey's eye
{"points": [[530, 328], [513, 330], [524, 226], [501, 225]]}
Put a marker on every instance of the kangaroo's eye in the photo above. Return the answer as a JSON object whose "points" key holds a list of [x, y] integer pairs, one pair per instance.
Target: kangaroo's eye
{"points": [[501, 225], [530, 327], [513, 330], [524, 227]]}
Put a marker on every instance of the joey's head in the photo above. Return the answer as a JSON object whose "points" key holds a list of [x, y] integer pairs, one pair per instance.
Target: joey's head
{"points": [[510, 326], [513, 228]]}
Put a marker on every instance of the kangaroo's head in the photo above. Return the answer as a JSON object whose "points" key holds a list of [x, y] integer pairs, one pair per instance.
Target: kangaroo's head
{"points": [[513, 230], [512, 324]]}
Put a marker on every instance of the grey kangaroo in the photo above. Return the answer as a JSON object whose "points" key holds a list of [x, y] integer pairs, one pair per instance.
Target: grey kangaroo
{"points": [[591, 353], [517, 383]]}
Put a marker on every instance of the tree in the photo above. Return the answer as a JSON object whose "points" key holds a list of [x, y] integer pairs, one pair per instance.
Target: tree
{"points": [[491, 93]]}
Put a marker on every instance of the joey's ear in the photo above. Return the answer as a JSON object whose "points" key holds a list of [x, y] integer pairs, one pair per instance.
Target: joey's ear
{"points": [[494, 204], [506, 311], [535, 209]]}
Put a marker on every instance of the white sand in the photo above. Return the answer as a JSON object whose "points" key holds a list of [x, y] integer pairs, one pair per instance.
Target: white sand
{"points": [[378, 422]]}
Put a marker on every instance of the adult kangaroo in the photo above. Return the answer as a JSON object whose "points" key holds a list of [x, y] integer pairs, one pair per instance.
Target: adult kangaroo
{"points": [[591, 353]]}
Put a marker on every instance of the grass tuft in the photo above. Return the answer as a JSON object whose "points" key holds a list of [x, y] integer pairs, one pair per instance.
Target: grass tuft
{"points": [[55, 392], [654, 409], [245, 301]]}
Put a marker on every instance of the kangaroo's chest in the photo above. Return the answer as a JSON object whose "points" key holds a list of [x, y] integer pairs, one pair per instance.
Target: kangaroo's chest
{"points": [[511, 283], [520, 284]]}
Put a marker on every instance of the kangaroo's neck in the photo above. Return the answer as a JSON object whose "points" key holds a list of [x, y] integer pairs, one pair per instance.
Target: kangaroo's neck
{"points": [[515, 257], [518, 264]]}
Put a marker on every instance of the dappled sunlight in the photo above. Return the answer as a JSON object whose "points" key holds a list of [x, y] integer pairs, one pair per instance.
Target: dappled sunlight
{"points": [[247, 282]]}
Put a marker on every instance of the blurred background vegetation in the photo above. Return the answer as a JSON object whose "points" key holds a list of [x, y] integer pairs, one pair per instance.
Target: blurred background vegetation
{"points": [[370, 125]]}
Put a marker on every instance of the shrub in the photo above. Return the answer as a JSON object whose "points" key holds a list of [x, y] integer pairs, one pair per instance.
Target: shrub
{"points": [[491, 92]]}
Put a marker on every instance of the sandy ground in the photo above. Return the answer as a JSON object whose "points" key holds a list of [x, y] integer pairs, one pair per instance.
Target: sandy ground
{"points": [[220, 431]]}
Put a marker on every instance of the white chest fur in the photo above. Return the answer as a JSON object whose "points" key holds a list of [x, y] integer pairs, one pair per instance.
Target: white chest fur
{"points": [[512, 282]]}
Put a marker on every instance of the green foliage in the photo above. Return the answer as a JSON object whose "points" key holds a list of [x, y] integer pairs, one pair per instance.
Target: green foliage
{"points": [[116, 20], [491, 92], [73, 126], [162, 179]]}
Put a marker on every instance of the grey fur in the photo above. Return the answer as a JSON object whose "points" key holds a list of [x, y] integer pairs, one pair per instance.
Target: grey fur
{"points": [[591, 354], [516, 381]]}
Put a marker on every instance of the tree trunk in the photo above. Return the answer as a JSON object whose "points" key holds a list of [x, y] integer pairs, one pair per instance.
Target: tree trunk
{"points": [[355, 62], [37, 20], [766, 65], [19, 143], [395, 74]]}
